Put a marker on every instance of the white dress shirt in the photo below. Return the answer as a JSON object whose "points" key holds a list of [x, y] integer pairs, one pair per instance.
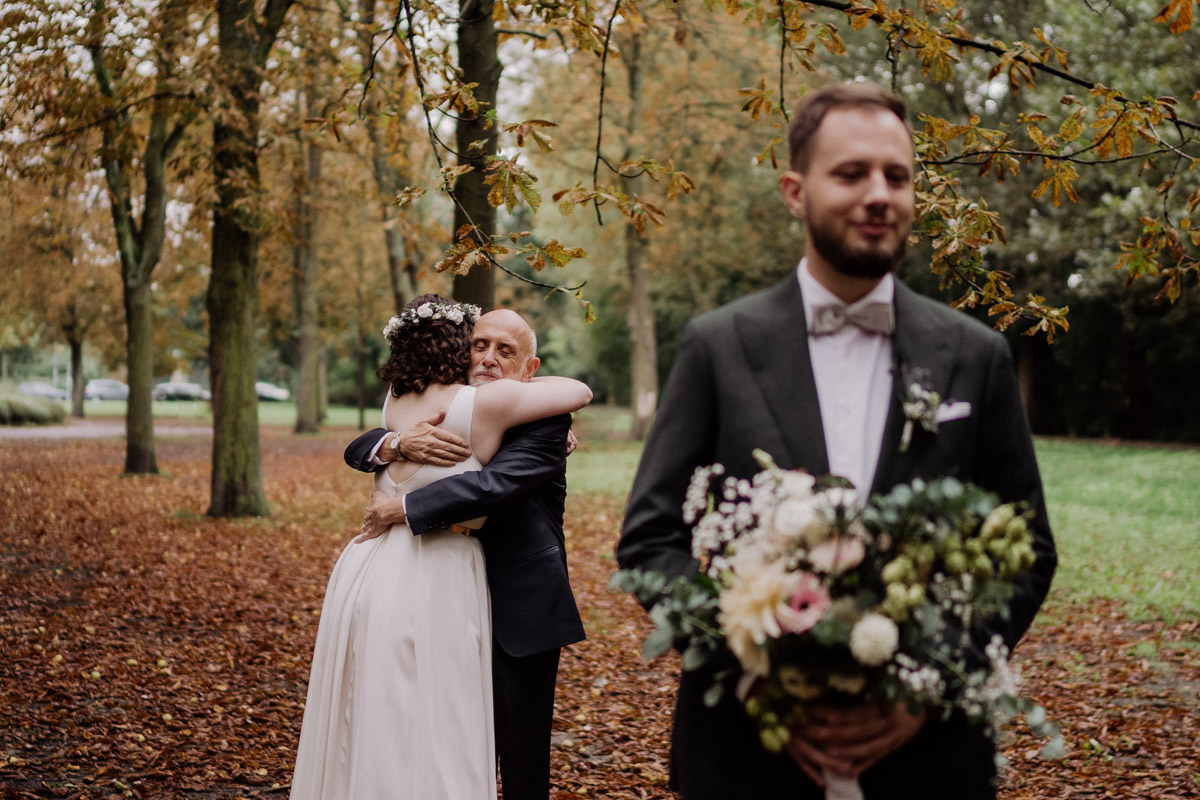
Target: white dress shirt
{"points": [[852, 369]]}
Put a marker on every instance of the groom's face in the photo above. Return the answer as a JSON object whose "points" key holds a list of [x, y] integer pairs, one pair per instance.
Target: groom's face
{"points": [[856, 193], [502, 347]]}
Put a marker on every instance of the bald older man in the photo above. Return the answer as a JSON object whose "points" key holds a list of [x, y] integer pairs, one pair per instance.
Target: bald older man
{"points": [[522, 492]]}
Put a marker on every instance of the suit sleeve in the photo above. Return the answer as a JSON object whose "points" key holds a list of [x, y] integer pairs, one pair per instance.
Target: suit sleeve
{"points": [[530, 455], [358, 453], [1008, 466], [654, 535]]}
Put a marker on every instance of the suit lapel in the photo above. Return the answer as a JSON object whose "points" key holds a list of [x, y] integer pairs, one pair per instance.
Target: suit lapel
{"points": [[775, 345], [919, 343]]}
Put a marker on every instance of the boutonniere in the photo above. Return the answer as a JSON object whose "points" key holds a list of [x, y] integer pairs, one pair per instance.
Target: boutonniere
{"points": [[919, 403]]}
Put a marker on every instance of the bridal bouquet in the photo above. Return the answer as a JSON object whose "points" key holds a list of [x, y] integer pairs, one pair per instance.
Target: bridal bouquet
{"points": [[827, 600]]}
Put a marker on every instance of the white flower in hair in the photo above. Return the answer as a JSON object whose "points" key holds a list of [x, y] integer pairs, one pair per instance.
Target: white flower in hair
{"points": [[453, 312]]}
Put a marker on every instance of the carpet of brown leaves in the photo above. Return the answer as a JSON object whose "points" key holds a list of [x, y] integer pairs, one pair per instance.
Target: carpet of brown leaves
{"points": [[149, 652]]}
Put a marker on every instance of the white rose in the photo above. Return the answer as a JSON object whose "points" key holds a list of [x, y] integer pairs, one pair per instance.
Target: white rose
{"points": [[797, 483], [425, 311], [874, 639], [797, 520], [455, 315]]}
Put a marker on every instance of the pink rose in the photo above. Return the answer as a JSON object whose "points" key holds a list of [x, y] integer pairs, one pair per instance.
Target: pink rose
{"points": [[810, 600]]}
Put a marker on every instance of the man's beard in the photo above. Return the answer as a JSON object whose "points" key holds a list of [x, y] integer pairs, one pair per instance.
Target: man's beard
{"points": [[854, 263], [477, 376]]}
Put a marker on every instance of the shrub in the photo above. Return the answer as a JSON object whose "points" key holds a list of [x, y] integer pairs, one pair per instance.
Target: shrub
{"points": [[23, 409]]}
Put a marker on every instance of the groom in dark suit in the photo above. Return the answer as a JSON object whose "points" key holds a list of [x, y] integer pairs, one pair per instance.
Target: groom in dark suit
{"points": [[815, 371], [522, 492]]}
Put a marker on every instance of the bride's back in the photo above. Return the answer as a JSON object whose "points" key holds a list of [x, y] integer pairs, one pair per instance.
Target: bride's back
{"points": [[412, 408], [498, 406]]}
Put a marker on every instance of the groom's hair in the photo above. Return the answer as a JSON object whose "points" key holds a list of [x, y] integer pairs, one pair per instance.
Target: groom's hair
{"points": [[812, 108]]}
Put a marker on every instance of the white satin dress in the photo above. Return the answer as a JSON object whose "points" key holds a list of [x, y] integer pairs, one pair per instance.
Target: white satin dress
{"points": [[400, 696]]}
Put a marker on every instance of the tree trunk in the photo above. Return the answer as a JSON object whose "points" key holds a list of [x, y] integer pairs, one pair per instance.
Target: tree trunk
{"points": [[304, 285], [244, 39], [643, 349], [140, 245], [76, 345], [232, 302], [140, 457], [388, 178], [480, 63], [360, 342]]}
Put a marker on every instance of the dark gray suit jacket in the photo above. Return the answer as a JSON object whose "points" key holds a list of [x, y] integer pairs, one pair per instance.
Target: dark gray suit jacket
{"points": [[743, 380]]}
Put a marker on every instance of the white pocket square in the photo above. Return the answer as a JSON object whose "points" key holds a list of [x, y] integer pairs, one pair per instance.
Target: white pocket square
{"points": [[948, 412]]}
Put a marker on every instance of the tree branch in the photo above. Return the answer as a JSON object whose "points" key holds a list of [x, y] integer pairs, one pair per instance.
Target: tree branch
{"points": [[994, 49], [600, 112]]}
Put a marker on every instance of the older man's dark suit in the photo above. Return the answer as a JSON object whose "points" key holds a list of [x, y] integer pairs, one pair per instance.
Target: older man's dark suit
{"points": [[522, 492], [743, 380]]}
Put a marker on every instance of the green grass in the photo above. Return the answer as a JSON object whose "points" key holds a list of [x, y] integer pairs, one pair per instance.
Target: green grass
{"points": [[1126, 518], [1126, 521], [269, 413]]}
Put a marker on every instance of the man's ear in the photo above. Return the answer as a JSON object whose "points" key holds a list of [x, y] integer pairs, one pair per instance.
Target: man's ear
{"points": [[531, 368], [791, 186]]}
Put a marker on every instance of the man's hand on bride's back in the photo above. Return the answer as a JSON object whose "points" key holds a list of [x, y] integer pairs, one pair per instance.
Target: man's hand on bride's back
{"points": [[426, 443]]}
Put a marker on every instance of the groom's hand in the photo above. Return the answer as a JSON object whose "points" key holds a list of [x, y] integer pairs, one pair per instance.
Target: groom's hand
{"points": [[425, 443], [849, 741]]}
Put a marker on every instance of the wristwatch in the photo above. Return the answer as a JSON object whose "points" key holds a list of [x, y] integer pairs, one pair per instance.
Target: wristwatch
{"points": [[394, 443]]}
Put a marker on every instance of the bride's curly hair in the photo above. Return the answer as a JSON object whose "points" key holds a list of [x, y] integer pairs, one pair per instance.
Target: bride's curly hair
{"points": [[427, 351]]}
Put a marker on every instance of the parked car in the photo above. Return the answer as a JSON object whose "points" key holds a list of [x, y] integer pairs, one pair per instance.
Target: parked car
{"points": [[269, 391], [40, 389], [173, 390], [105, 389]]}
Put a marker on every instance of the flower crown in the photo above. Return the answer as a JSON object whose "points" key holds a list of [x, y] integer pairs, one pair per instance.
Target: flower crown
{"points": [[454, 312]]}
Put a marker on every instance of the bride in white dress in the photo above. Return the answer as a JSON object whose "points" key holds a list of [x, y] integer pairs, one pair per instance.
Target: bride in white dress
{"points": [[400, 696]]}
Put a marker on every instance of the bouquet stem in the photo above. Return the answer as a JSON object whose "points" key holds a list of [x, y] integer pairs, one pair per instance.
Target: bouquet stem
{"points": [[839, 787]]}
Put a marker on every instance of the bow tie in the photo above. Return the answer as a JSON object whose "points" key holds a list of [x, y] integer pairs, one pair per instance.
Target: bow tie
{"points": [[875, 317]]}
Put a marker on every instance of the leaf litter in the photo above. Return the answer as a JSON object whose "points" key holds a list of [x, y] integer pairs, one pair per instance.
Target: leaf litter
{"points": [[147, 651]]}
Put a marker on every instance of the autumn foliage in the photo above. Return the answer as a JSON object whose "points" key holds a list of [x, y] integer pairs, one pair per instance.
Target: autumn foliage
{"points": [[151, 652]]}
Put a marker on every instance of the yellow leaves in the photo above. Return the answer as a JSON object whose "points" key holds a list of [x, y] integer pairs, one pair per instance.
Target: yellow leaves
{"points": [[760, 100], [831, 40], [1048, 319], [1052, 50], [510, 184], [532, 128], [1160, 242], [938, 57], [588, 38], [468, 251], [769, 152], [567, 199], [1060, 181], [679, 182], [408, 195], [1072, 127], [1016, 62], [639, 211], [1181, 10], [458, 97], [552, 253], [451, 174]]}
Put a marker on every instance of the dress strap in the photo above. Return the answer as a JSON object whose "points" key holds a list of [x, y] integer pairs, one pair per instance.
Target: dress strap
{"points": [[383, 414]]}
